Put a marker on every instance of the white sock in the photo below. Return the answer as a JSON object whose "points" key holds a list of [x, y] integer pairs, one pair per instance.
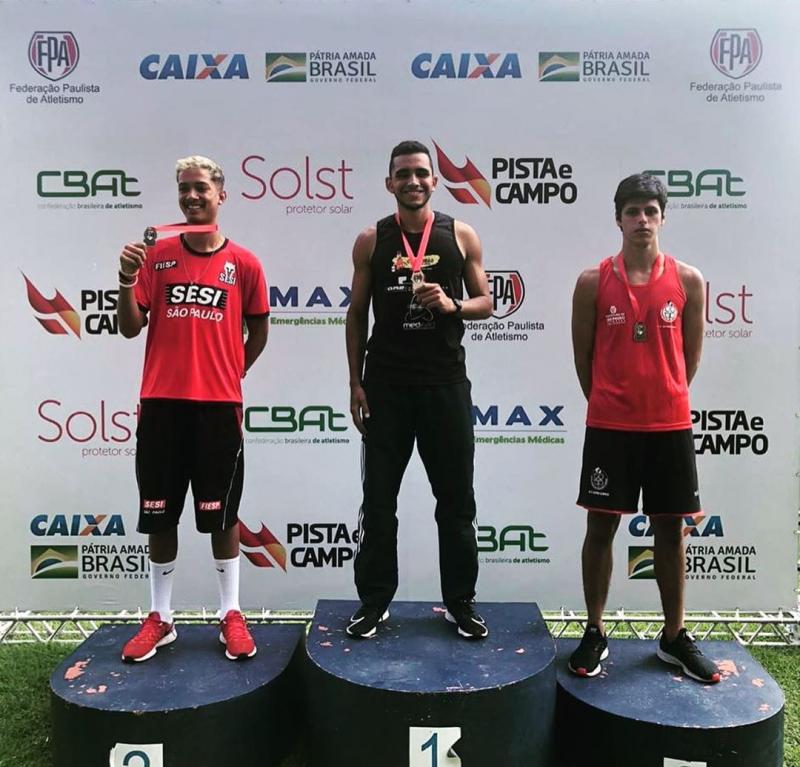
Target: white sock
{"points": [[161, 575], [228, 580]]}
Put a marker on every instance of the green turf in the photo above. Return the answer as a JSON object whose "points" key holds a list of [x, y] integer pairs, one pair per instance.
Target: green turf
{"points": [[25, 716]]}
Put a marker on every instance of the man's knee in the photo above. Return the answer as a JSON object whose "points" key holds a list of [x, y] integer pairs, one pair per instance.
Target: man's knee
{"points": [[601, 528]]}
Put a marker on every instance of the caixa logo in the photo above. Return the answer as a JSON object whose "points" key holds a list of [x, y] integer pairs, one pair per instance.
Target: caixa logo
{"points": [[508, 292], [520, 538], [736, 52], [728, 431], [78, 524], [686, 183], [466, 66], [287, 419], [80, 184], [194, 66], [698, 526], [517, 416], [53, 55], [317, 297]]}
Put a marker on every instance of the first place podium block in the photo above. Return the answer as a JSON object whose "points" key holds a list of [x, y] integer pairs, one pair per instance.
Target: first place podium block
{"points": [[418, 695], [188, 705], [640, 711]]}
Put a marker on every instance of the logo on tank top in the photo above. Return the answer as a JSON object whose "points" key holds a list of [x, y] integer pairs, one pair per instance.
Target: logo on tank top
{"points": [[669, 312], [614, 317], [228, 274], [598, 480]]}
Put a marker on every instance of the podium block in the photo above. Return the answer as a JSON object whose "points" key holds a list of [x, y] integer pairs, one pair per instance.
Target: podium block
{"points": [[640, 711], [188, 705], [418, 695]]}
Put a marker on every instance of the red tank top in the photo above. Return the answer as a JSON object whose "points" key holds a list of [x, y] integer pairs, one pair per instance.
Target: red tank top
{"points": [[639, 385]]}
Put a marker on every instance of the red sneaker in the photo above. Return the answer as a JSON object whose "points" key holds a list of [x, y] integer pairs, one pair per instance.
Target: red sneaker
{"points": [[236, 637], [152, 634]]}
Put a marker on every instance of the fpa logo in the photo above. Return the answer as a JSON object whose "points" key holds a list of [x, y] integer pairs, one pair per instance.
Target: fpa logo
{"points": [[53, 55], [194, 66], [508, 292], [263, 549], [466, 66], [736, 52]]}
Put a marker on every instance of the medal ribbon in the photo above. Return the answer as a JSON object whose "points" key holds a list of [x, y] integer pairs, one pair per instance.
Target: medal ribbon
{"points": [[151, 233], [654, 272], [415, 261]]}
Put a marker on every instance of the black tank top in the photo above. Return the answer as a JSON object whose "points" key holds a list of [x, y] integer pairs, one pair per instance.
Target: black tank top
{"points": [[411, 344]]}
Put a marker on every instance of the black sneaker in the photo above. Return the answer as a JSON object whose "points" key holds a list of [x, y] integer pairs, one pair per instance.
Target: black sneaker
{"points": [[585, 661], [470, 624], [682, 651], [364, 621]]}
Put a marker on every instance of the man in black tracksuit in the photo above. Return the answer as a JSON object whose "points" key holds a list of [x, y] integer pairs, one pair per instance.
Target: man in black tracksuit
{"points": [[413, 266]]}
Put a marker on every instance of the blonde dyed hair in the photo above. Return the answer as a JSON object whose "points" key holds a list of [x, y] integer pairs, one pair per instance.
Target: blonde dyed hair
{"points": [[203, 163]]}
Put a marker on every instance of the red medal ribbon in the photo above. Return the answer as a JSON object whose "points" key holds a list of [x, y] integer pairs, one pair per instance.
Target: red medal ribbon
{"points": [[150, 233], [415, 261], [654, 272]]}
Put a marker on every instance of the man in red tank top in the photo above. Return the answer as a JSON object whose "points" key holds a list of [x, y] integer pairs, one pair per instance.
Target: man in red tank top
{"points": [[637, 331], [193, 293]]}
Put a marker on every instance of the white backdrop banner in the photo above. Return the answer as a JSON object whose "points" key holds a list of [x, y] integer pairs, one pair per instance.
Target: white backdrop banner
{"points": [[533, 113]]}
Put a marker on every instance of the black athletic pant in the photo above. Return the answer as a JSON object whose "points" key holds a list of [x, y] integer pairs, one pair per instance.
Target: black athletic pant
{"points": [[440, 419]]}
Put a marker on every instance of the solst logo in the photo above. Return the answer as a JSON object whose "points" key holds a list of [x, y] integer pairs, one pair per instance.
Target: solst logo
{"points": [[736, 52], [195, 66], [99, 305], [719, 182], [53, 55], [728, 431], [287, 419], [466, 66], [80, 184], [521, 180], [508, 292], [306, 185], [78, 524]]}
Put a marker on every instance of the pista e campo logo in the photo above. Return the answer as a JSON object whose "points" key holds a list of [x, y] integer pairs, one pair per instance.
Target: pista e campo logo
{"points": [[263, 539], [67, 317], [467, 174]]}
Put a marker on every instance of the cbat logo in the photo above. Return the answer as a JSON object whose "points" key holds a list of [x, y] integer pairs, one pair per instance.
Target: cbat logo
{"points": [[508, 292], [79, 184], [53, 55], [54, 562], [285, 67], [78, 524], [641, 563], [523, 180], [100, 304], [263, 549], [695, 526], [521, 538], [559, 66], [466, 66], [194, 66], [287, 419], [517, 416], [736, 52], [719, 182]]}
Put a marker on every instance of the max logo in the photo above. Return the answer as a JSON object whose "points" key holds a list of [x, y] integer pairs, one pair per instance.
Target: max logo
{"points": [[68, 317], [255, 544]]}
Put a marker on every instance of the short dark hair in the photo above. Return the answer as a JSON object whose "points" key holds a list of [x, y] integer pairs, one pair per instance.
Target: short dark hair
{"points": [[409, 147], [640, 186]]}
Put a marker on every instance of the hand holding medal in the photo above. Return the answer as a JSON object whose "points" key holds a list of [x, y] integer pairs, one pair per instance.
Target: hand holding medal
{"points": [[416, 261]]}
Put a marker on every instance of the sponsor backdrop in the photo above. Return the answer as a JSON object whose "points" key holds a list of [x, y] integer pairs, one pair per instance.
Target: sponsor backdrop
{"points": [[533, 113]]}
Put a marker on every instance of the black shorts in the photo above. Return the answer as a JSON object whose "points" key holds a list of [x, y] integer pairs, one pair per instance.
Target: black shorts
{"points": [[618, 464], [178, 442]]}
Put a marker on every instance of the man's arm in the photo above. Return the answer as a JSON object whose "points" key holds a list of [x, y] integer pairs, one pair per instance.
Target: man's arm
{"points": [[257, 333], [584, 313], [357, 324], [693, 317], [479, 304], [130, 317]]}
